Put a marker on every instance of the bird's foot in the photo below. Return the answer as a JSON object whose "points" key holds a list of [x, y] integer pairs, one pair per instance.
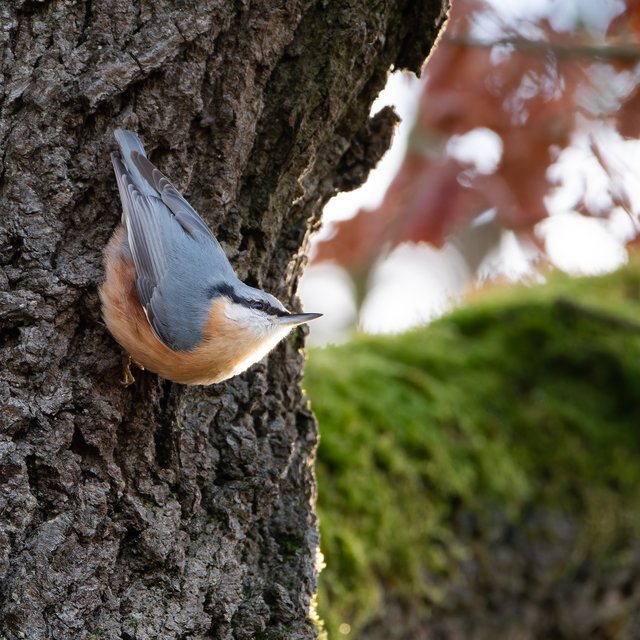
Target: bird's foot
{"points": [[127, 376]]}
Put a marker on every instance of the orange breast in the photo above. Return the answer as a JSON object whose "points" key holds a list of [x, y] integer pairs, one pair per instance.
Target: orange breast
{"points": [[224, 345]]}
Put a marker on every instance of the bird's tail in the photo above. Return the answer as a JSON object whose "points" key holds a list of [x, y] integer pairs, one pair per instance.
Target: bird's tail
{"points": [[130, 143]]}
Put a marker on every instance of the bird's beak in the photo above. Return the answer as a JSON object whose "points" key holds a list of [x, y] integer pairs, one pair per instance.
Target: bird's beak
{"points": [[294, 319]]}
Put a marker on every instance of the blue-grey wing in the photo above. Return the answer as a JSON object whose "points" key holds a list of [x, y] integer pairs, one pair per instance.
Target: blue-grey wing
{"points": [[175, 255], [148, 239], [186, 215], [151, 181], [130, 143]]}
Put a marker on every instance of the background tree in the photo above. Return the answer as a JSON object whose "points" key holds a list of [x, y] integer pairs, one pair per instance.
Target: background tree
{"points": [[159, 511], [549, 85]]}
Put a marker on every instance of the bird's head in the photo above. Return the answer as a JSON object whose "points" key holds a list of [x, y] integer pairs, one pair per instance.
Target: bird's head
{"points": [[260, 312], [251, 320]]}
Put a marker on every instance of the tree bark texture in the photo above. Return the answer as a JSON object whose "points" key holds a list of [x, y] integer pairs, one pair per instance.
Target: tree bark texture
{"points": [[157, 510]]}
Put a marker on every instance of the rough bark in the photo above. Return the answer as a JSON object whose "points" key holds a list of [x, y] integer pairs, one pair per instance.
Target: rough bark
{"points": [[161, 511]]}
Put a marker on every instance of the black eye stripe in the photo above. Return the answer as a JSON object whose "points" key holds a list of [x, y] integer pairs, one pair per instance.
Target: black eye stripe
{"points": [[223, 289], [267, 308]]}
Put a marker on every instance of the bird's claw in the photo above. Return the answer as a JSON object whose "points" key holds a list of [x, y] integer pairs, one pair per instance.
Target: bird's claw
{"points": [[127, 376]]}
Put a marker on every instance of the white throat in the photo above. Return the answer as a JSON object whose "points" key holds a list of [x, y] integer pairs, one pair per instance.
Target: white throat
{"points": [[261, 330]]}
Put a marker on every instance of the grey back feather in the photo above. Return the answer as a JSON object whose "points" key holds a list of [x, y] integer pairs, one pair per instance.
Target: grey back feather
{"points": [[177, 258]]}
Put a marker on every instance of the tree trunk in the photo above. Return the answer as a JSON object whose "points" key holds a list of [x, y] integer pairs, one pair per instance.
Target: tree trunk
{"points": [[158, 510]]}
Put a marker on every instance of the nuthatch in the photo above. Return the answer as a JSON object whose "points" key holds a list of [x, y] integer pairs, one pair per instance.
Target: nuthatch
{"points": [[170, 296]]}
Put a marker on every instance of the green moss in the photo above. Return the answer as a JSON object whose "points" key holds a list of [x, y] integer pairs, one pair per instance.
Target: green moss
{"points": [[527, 397]]}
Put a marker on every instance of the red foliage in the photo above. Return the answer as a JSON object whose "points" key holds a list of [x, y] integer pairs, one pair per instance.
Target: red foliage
{"points": [[526, 92]]}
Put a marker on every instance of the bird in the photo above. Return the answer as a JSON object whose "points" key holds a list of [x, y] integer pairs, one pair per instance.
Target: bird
{"points": [[170, 296]]}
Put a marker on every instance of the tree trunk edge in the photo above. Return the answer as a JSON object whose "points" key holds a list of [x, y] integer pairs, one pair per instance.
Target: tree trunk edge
{"points": [[159, 510]]}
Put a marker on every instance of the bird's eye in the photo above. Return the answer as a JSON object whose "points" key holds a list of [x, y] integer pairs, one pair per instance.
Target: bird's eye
{"points": [[257, 304]]}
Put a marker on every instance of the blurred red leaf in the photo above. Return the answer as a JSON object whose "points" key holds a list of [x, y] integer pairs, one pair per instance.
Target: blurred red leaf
{"points": [[522, 90], [625, 27], [628, 115]]}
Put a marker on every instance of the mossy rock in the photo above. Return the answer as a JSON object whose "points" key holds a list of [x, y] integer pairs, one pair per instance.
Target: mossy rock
{"points": [[476, 474]]}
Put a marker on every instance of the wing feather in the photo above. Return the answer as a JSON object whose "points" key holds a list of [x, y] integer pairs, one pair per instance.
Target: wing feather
{"points": [[176, 255], [186, 215], [147, 232]]}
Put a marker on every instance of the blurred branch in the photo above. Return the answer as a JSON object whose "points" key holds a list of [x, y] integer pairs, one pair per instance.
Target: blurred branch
{"points": [[607, 52]]}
